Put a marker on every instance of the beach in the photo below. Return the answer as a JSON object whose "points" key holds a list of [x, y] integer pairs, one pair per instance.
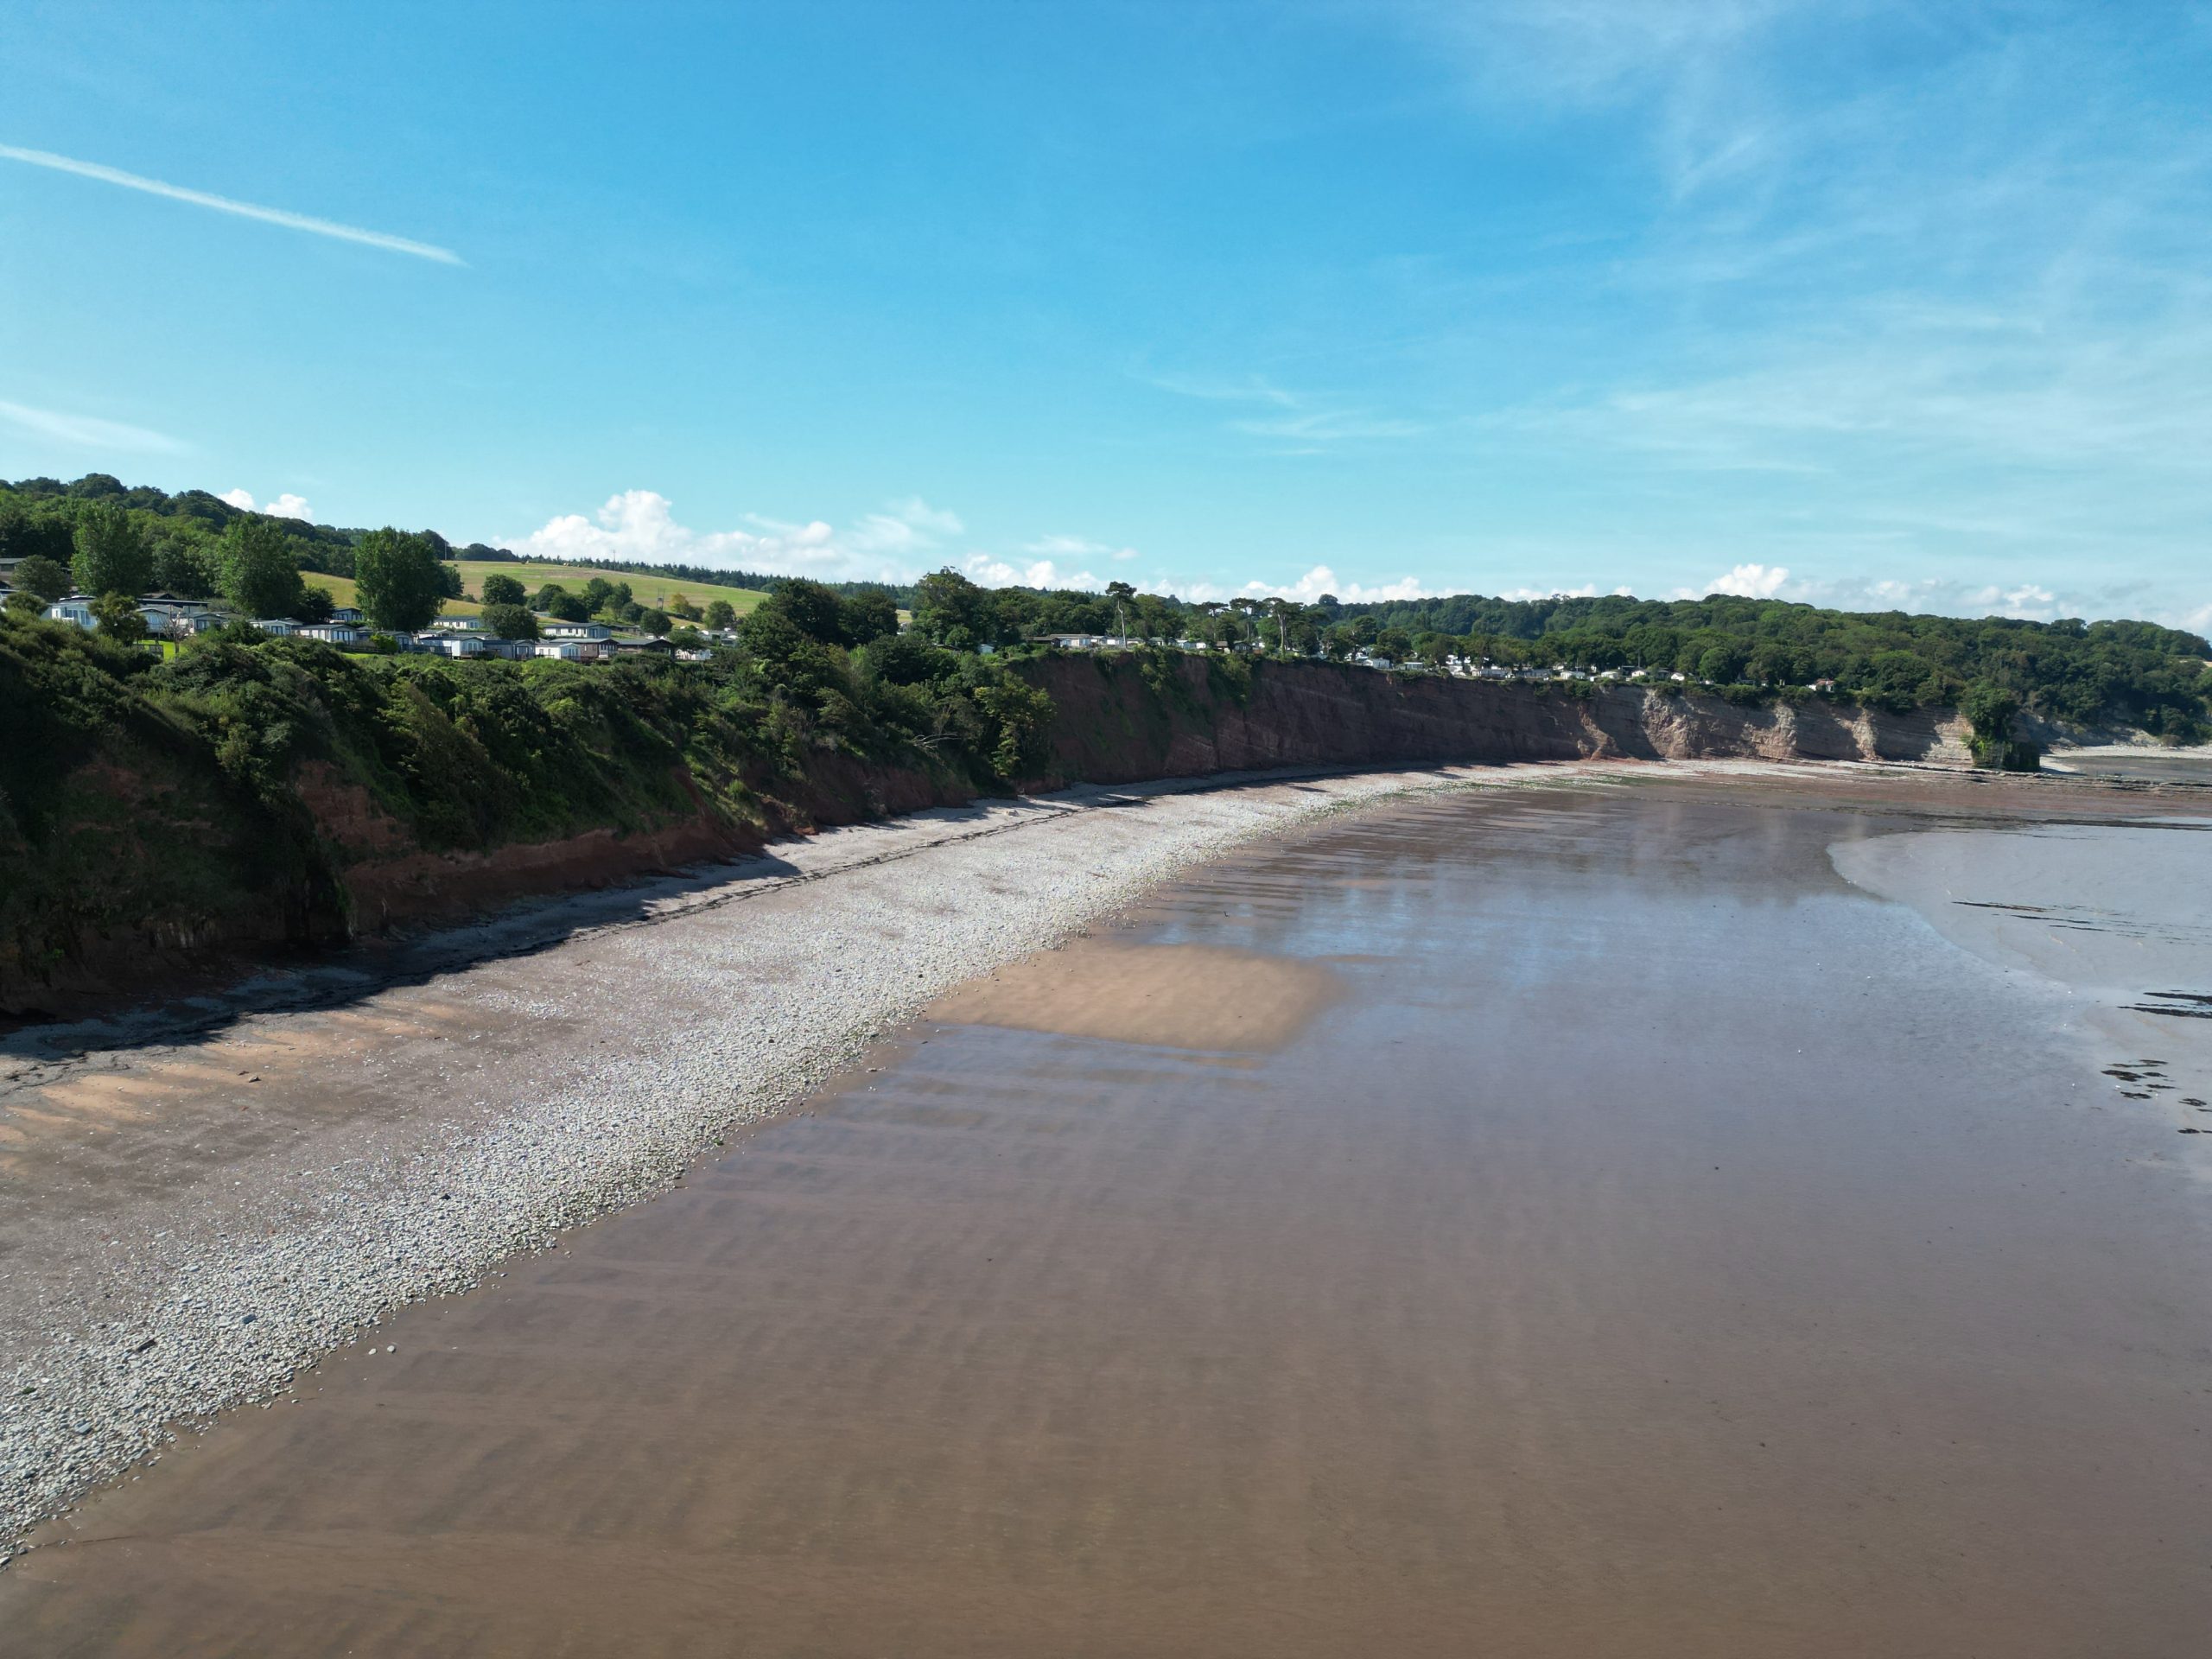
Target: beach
{"points": [[1581, 1210], [200, 1199]]}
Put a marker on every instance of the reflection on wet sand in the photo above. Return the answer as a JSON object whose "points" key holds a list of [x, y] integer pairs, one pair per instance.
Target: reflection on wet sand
{"points": [[1171, 996], [1661, 1249]]}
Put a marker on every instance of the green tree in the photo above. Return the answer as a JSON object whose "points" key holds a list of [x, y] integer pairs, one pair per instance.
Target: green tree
{"points": [[952, 611], [654, 622], [1723, 663], [509, 621], [118, 615], [814, 609], [21, 536], [398, 579], [185, 564], [111, 556], [568, 607], [869, 616], [259, 575], [1992, 710], [43, 577], [1433, 648], [314, 605], [1121, 593], [502, 589], [721, 613], [1019, 713]]}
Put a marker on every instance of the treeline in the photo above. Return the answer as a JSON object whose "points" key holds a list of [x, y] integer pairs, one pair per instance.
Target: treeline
{"points": [[97, 538], [38, 516], [2133, 673], [2128, 673]]}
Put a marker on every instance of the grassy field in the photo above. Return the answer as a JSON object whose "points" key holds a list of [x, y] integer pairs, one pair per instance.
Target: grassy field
{"points": [[646, 590]]}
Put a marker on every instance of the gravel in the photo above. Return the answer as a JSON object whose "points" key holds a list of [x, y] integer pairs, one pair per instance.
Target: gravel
{"points": [[616, 1051]]}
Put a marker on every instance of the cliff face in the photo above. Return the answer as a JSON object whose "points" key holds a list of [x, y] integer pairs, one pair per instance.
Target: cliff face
{"points": [[390, 880], [150, 866], [1118, 719]]}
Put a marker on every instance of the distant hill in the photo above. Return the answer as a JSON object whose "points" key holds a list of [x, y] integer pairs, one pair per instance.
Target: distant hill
{"points": [[2109, 674]]}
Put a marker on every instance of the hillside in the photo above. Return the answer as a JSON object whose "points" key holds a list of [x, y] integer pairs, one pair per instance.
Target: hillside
{"points": [[656, 591], [158, 816]]}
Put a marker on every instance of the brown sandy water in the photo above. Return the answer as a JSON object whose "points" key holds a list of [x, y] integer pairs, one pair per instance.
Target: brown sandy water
{"points": [[1597, 1230]]}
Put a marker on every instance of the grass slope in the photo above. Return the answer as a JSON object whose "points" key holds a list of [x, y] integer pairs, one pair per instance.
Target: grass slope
{"points": [[646, 590], [655, 591]]}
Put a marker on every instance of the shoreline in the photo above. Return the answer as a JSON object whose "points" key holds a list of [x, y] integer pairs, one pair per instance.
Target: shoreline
{"points": [[291, 1171], [209, 1301]]}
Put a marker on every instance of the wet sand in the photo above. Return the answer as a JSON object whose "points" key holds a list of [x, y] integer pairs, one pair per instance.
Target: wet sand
{"points": [[1170, 996], [1651, 1244]]}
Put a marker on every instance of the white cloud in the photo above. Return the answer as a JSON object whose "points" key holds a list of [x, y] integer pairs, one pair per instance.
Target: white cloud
{"points": [[640, 526], [1751, 581], [89, 432], [1587, 590], [1305, 589], [282, 507], [994, 572], [226, 205]]}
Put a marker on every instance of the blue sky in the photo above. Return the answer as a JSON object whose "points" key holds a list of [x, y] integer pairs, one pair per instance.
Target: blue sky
{"points": [[1865, 303]]}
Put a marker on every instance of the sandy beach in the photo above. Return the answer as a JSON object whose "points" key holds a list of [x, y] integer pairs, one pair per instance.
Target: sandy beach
{"points": [[1613, 1214], [197, 1202]]}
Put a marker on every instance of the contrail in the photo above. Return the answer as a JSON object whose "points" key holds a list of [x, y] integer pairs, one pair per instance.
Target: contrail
{"points": [[225, 205]]}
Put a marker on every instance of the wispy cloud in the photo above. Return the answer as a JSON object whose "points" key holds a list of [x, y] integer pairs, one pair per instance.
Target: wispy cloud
{"points": [[1079, 547], [89, 432], [227, 205], [1218, 388], [1327, 426], [1309, 423]]}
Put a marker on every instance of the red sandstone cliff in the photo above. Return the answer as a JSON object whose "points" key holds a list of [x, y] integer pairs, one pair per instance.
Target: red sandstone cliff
{"points": [[1118, 720]]}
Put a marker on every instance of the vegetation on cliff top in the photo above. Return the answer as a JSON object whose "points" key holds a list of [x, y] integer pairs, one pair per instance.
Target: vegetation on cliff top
{"points": [[137, 792]]}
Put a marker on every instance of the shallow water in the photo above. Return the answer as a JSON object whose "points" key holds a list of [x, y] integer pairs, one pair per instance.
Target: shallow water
{"points": [[1652, 1244]]}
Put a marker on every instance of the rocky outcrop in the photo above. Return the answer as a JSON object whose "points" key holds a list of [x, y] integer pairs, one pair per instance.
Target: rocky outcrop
{"points": [[1122, 718]]}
